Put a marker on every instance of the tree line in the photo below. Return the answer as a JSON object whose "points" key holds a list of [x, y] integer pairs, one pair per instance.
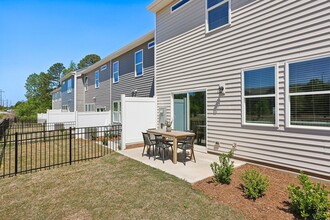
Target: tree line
{"points": [[39, 86]]}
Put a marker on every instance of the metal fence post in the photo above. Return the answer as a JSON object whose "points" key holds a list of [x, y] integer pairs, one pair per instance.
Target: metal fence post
{"points": [[70, 145], [16, 152]]}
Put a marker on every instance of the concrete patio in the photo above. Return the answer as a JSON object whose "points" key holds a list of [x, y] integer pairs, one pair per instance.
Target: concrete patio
{"points": [[192, 172]]}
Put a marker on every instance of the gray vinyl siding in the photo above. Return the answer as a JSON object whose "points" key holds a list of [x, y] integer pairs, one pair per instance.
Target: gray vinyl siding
{"points": [[261, 33], [80, 94], [101, 94], [127, 80], [68, 98]]}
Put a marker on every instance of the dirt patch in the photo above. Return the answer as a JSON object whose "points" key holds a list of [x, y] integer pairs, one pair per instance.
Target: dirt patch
{"points": [[274, 205]]}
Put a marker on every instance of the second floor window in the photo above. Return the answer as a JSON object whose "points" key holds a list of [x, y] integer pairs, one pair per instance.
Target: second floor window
{"points": [[69, 85], [218, 13], [86, 83], [97, 82], [115, 72], [139, 63]]}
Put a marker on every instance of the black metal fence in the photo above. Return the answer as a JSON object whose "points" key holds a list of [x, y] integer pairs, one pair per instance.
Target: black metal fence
{"points": [[49, 147]]}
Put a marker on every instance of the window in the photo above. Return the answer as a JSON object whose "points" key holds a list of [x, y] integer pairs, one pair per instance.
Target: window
{"points": [[101, 109], [115, 72], [86, 83], [309, 93], [151, 45], [69, 85], [218, 13], [90, 107], [139, 63], [65, 108], [116, 112], [179, 5], [97, 82], [103, 67], [259, 96]]}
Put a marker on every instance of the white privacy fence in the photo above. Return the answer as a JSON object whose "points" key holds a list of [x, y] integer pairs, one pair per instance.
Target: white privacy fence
{"points": [[80, 119], [137, 115]]}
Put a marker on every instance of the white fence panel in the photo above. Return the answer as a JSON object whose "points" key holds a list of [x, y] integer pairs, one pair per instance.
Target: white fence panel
{"points": [[42, 118], [138, 115], [93, 119]]}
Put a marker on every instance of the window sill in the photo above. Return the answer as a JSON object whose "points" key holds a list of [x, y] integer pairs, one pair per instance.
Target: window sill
{"points": [[115, 82], [137, 76], [226, 26], [316, 128], [260, 125]]}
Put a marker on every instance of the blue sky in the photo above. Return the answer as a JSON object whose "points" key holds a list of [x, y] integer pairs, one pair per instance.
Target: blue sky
{"points": [[36, 34]]}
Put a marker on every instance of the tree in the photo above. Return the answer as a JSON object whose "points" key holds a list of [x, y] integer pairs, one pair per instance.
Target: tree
{"points": [[72, 67], [56, 71], [88, 60]]}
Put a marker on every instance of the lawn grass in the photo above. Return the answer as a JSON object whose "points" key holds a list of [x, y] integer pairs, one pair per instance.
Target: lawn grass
{"points": [[112, 187]]}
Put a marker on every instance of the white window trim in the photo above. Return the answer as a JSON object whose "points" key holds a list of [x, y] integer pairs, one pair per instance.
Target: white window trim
{"points": [[86, 83], [113, 112], [135, 64], [69, 82], [172, 11], [287, 95], [90, 104], [104, 67], [98, 79], [213, 7], [149, 47], [276, 95], [113, 73]]}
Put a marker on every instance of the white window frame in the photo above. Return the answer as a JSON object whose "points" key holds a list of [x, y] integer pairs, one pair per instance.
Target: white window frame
{"points": [[88, 107], [104, 67], [86, 83], [113, 72], [276, 95], [152, 42], [118, 112], [213, 7], [65, 108], [69, 86], [135, 64], [172, 11], [97, 79], [288, 95]]}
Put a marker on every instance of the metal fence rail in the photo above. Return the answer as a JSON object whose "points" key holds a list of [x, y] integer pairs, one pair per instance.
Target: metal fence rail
{"points": [[25, 152]]}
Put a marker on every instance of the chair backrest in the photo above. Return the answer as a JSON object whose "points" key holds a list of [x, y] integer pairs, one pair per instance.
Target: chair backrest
{"points": [[188, 142], [146, 138], [159, 140]]}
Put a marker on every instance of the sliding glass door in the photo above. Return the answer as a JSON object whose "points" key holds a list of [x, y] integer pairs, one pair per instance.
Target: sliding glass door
{"points": [[190, 114]]}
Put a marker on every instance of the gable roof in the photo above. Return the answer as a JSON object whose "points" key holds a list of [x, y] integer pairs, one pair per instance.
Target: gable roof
{"points": [[157, 5], [149, 36]]}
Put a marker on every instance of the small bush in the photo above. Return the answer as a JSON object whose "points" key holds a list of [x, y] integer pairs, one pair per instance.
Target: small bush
{"points": [[223, 171], [254, 184], [311, 201]]}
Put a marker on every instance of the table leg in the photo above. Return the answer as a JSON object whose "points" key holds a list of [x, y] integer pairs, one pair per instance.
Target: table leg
{"points": [[175, 153]]}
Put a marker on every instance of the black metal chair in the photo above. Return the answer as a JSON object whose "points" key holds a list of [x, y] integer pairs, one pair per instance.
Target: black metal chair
{"points": [[147, 143], [187, 144], [152, 136], [161, 146]]}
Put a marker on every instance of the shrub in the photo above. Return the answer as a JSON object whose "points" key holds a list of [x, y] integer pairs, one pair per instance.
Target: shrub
{"points": [[254, 184], [311, 201], [223, 171]]}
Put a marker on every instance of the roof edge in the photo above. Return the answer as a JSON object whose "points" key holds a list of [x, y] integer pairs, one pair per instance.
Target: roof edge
{"points": [[157, 5], [145, 38]]}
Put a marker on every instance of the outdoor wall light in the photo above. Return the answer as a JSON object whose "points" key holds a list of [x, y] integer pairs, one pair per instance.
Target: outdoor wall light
{"points": [[134, 92], [222, 89], [94, 98]]}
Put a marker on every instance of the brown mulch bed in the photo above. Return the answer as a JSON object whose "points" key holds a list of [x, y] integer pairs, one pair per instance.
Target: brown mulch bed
{"points": [[273, 205]]}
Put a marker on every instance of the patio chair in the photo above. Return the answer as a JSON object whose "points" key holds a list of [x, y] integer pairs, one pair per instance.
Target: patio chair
{"points": [[152, 136], [161, 146], [187, 144], [147, 143]]}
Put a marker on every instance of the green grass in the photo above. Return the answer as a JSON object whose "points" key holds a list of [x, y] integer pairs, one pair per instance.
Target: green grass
{"points": [[112, 187]]}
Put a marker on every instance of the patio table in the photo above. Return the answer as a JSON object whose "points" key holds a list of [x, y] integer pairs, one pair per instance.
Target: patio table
{"points": [[174, 135]]}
